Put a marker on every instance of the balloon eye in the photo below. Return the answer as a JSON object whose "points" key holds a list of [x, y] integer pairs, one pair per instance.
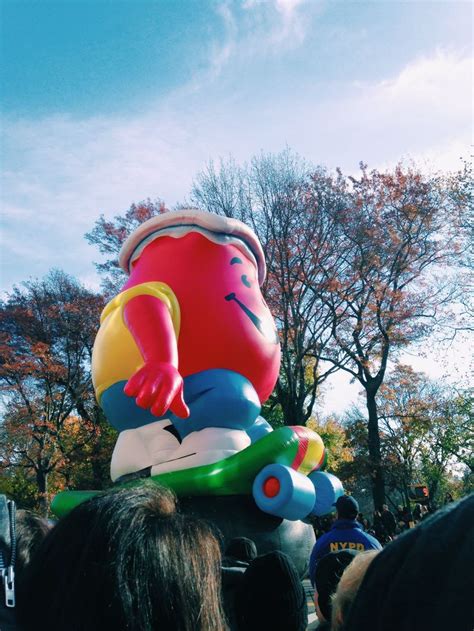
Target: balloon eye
{"points": [[245, 280], [236, 260]]}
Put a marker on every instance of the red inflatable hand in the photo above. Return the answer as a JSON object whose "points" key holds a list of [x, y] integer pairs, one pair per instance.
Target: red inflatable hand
{"points": [[158, 386]]}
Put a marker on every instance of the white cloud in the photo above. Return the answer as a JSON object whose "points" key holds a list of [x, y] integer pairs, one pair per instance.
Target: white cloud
{"points": [[424, 113], [222, 52], [64, 171], [431, 85], [267, 28], [287, 6]]}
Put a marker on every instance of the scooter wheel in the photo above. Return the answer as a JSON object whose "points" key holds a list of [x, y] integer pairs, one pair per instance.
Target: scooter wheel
{"points": [[283, 492], [328, 488]]}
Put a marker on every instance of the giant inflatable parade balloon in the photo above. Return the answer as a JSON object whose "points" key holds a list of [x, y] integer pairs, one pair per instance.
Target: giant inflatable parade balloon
{"points": [[185, 356]]}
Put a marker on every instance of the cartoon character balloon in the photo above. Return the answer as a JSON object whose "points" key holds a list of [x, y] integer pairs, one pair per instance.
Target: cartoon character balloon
{"points": [[184, 358], [188, 351]]}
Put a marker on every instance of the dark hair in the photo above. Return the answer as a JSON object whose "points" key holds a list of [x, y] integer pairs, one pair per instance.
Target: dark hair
{"points": [[242, 549], [125, 560], [327, 576], [271, 596], [31, 529]]}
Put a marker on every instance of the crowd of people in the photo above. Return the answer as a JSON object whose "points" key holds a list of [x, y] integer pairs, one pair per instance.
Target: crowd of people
{"points": [[129, 559], [385, 524]]}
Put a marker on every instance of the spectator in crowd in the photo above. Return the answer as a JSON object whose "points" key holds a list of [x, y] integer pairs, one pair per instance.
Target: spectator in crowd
{"points": [[407, 517], [271, 596], [8, 551], [21, 534], [346, 534], [321, 525], [31, 529], [379, 528], [238, 555], [240, 552], [419, 512], [326, 578], [125, 560], [389, 522], [364, 521], [399, 517], [347, 589], [423, 579], [448, 498]]}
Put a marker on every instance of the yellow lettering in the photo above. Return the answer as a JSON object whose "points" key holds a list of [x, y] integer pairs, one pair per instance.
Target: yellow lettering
{"points": [[360, 546], [334, 547], [352, 546], [343, 545]]}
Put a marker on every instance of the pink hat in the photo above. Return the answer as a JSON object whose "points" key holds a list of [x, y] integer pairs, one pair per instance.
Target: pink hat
{"points": [[178, 223]]}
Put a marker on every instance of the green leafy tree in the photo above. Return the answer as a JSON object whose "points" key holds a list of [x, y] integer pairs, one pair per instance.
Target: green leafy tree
{"points": [[426, 435]]}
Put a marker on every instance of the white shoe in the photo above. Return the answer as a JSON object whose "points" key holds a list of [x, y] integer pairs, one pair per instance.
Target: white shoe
{"points": [[137, 449], [204, 447]]}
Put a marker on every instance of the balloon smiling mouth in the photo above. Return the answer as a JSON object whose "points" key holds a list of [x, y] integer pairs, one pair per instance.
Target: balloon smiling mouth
{"points": [[268, 333]]}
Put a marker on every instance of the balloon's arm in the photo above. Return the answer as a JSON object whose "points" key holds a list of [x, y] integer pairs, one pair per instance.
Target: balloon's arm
{"points": [[157, 385]]}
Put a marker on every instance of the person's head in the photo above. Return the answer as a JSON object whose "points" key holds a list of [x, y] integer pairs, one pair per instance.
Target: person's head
{"points": [[384, 507], [31, 529], [242, 549], [348, 587], [326, 578], [271, 596], [125, 560], [347, 507], [423, 579]]}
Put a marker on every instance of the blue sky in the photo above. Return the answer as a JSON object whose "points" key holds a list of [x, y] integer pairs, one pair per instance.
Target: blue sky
{"points": [[113, 56], [108, 102]]}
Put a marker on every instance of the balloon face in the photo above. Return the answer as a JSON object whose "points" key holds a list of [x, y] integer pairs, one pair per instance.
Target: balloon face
{"points": [[225, 322]]}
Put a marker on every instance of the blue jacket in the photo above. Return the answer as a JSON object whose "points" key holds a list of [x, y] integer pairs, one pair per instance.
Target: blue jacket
{"points": [[344, 534]]}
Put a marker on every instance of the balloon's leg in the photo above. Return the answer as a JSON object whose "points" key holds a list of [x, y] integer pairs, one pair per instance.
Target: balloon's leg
{"points": [[142, 447]]}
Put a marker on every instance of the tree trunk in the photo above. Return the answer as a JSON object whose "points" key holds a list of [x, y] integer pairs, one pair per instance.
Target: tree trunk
{"points": [[42, 482], [376, 471], [100, 473]]}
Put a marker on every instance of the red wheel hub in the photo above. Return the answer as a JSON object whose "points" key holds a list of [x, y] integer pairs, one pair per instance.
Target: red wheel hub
{"points": [[271, 487]]}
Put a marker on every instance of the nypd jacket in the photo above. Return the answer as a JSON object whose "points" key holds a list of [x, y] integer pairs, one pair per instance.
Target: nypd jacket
{"points": [[345, 534]]}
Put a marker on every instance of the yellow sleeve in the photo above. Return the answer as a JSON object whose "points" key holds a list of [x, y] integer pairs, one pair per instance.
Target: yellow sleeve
{"points": [[116, 356], [159, 290]]}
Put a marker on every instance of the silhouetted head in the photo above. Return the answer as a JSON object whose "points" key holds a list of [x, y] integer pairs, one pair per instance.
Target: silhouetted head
{"points": [[423, 579], [125, 560], [348, 588], [347, 507], [241, 549], [271, 596], [326, 579]]}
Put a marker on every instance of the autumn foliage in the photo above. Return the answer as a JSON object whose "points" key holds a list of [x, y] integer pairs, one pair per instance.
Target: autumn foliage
{"points": [[356, 269], [109, 235], [52, 426], [359, 268]]}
